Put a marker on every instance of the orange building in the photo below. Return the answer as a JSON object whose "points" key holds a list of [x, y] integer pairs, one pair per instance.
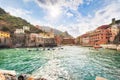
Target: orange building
{"points": [[68, 41], [104, 34], [85, 40], [100, 36], [58, 39]]}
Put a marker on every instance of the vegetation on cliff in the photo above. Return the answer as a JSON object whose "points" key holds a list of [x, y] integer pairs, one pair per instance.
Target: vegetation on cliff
{"points": [[10, 23]]}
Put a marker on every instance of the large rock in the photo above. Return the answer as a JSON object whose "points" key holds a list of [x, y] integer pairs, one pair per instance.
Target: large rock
{"points": [[8, 75], [11, 75], [2, 77], [28, 77]]}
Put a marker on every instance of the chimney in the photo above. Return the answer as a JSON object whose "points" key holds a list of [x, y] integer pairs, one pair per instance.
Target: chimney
{"points": [[113, 20]]}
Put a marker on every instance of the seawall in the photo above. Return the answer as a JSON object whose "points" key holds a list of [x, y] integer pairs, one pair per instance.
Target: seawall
{"points": [[111, 46]]}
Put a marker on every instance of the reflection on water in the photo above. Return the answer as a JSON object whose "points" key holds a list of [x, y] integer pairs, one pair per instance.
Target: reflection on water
{"points": [[71, 63]]}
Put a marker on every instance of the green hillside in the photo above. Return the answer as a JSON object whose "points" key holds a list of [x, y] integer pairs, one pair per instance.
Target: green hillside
{"points": [[10, 23]]}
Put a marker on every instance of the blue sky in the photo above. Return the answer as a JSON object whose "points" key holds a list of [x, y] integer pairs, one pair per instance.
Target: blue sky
{"points": [[74, 16]]}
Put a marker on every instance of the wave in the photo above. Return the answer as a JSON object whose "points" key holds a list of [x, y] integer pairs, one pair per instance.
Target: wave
{"points": [[52, 70]]}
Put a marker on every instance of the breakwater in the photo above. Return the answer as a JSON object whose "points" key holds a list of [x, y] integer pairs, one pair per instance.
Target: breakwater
{"points": [[111, 46]]}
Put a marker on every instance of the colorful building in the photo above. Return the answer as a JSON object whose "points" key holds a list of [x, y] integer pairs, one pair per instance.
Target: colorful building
{"points": [[115, 31], [69, 41], [58, 39], [19, 31], [48, 39], [105, 34], [22, 30], [4, 34], [85, 40], [5, 40], [42, 39], [100, 36]]}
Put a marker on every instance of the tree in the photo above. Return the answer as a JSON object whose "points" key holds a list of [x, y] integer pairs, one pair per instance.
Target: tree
{"points": [[2, 11], [5, 29]]}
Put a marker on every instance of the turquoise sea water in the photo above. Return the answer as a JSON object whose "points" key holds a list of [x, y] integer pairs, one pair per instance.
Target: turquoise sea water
{"points": [[70, 63]]}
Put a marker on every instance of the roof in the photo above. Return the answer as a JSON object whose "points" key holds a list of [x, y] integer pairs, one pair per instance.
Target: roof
{"points": [[84, 35], [103, 27]]}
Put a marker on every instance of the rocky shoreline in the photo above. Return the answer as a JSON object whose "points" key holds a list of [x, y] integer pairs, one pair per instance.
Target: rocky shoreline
{"points": [[11, 75]]}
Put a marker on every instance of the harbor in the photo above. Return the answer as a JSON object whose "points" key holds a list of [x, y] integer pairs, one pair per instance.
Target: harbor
{"points": [[68, 63], [59, 40]]}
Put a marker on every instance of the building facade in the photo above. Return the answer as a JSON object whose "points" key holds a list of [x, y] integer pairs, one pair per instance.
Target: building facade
{"points": [[100, 36], [105, 34], [85, 40], [115, 31], [58, 39], [68, 41], [41, 40], [5, 39]]}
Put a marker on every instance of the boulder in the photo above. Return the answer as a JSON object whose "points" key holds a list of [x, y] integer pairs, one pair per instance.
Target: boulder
{"points": [[8, 75], [2, 77], [11, 72], [25, 77], [29, 77]]}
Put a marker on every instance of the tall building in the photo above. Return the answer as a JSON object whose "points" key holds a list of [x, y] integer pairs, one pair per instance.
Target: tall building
{"points": [[115, 31], [100, 35], [105, 34]]}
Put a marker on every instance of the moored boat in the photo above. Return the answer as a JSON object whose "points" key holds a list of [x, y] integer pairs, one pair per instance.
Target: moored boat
{"points": [[97, 46]]}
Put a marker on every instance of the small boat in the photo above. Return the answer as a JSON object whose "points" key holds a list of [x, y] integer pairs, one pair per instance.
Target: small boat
{"points": [[97, 46], [48, 49], [37, 49], [61, 48]]}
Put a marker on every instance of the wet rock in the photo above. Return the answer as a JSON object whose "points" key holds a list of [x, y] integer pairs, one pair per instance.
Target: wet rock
{"points": [[2, 77], [23, 77], [11, 75], [10, 72], [29, 77], [8, 75], [43, 79]]}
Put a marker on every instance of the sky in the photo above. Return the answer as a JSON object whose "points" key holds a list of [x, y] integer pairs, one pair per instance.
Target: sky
{"points": [[74, 16]]}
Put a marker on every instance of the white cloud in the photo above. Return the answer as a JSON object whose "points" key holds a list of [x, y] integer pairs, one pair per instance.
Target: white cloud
{"points": [[102, 17], [88, 1], [69, 14], [56, 8], [19, 12], [27, 0], [73, 4], [105, 15], [54, 11]]}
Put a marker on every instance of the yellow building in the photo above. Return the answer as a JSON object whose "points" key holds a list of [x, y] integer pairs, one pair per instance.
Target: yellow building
{"points": [[47, 35], [4, 34], [5, 40]]}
